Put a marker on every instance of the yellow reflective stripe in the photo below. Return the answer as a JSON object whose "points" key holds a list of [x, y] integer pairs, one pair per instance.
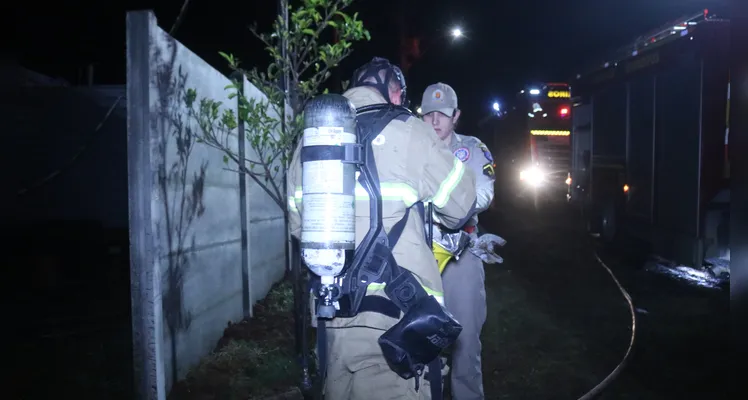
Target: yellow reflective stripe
{"points": [[448, 185], [390, 192], [439, 296]]}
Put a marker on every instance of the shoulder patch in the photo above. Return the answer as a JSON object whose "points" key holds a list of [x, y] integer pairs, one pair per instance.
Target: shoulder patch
{"points": [[462, 153], [486, 152], [488, 170]]}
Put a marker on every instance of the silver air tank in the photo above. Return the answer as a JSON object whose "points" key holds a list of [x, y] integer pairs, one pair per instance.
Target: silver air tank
{"points": [[328, 234]]}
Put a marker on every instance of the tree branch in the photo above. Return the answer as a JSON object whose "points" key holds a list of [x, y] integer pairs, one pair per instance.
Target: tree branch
{"points": [[321, 27], [180, 17], [278, 199]]}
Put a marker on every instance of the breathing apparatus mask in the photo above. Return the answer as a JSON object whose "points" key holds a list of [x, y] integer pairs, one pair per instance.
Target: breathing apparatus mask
{"points": [[371, 75]]}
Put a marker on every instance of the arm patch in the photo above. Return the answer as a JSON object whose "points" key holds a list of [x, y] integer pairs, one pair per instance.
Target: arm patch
{"points": [[488, 170]]}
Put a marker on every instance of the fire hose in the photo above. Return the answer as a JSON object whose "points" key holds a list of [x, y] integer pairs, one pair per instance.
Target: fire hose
{"points": [[595, 391], [483, 247]]}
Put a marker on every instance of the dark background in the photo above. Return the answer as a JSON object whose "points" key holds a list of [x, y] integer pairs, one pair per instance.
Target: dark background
{"points": [[508, 44]]}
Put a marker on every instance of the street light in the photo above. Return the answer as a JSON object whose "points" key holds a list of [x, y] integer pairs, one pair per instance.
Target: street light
{"points": [[409, 56], [496, 106]]}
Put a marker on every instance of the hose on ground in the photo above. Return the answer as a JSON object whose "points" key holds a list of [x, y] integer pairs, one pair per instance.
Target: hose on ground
{"points": [[595, 391]]}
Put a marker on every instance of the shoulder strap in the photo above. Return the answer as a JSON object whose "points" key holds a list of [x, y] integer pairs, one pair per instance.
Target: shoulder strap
{"points": [[397, 230], [374, 118], [373, 259]]}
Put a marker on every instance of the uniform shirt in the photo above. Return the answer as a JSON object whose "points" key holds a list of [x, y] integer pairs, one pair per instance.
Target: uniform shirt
{"points": [[476, 156], [413, 165]]}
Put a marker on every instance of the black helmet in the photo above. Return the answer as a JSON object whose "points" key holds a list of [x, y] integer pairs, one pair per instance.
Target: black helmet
{"points": [[372, 70]]}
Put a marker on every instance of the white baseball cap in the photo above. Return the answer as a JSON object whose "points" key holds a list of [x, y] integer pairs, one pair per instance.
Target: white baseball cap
{"points": [[439, 97]]}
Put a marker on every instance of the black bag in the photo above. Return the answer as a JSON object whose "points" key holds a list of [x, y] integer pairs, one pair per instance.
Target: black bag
{"points": [[418, 338]]}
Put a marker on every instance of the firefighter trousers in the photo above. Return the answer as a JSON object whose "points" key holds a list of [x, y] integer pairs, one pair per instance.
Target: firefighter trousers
{"points": [[357, 370], [465, 298]]}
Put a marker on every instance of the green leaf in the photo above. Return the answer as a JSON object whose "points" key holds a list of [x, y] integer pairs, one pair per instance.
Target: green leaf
{"points": [[229, 58], [225, 159]]}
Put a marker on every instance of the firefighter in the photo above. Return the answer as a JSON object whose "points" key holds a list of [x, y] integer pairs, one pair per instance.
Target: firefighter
{"points": [[463, 279], [413, 166]]}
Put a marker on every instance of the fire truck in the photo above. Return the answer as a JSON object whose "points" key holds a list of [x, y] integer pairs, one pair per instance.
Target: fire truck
{"points": [[530, 141], [546, 111], [649, 136]]}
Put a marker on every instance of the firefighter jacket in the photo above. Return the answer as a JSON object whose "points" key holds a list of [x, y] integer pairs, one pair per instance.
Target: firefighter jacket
{"points": [[413, 165]]}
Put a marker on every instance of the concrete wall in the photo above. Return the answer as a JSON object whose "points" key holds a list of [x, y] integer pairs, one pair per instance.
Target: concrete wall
{"points": [[192, 268]]}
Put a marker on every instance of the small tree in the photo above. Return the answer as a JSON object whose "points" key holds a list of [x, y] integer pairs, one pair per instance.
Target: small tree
{"points": [[318, 37]]}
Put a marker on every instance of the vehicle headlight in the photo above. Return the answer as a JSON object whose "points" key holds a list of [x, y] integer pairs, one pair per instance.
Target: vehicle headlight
{"points": [[532, 176]]}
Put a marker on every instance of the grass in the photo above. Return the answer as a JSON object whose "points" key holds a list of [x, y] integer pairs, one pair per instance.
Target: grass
{"points": [[253, 360], [526, 350], [242, 370], [280, 299], [557, 324]]}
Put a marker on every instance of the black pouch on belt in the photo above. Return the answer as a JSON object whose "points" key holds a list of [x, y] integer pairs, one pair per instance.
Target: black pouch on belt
{"points": [[417, 339]]}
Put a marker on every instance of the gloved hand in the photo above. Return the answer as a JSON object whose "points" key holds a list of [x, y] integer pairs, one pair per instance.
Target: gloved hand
{"points": [[483, 248]]}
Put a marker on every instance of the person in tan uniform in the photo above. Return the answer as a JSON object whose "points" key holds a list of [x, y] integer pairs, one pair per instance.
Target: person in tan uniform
{"points": [[464, 278], [413, 166]]}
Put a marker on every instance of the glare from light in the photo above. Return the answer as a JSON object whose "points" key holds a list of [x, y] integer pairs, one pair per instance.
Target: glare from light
{"points": [[625, 188], [534, 92], [533, 176], [496, 106], [457, 32], [531, 115], [522, 91], [545, 115], [418, 110]]}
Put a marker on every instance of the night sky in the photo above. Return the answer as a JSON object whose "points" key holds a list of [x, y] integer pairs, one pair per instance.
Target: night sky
{"points": [[508, 43]]}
